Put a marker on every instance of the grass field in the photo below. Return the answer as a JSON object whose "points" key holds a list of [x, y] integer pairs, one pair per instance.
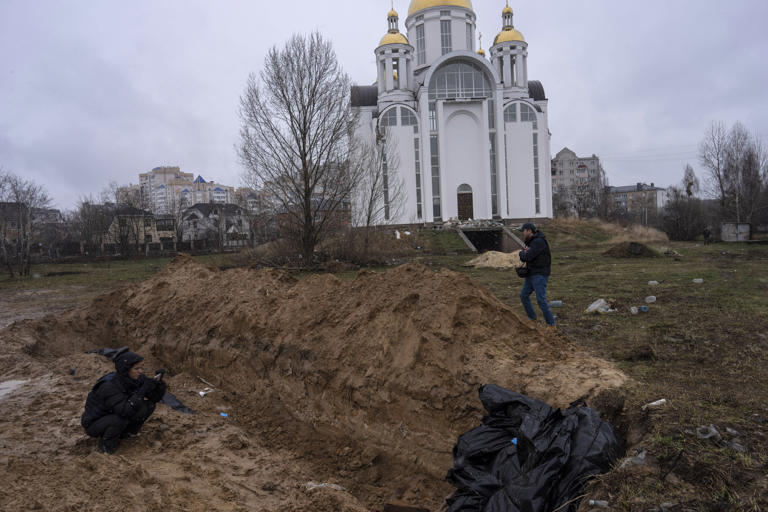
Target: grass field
{"points": [[702, 347]]}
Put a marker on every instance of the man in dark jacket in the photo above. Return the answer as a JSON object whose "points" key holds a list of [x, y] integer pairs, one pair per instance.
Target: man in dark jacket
{"points": [[120, 402], [537, 257]]}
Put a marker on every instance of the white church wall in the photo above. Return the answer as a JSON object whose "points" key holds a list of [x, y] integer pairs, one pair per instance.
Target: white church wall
{"points": [[404, 207], [520, 164], [464, 158]]}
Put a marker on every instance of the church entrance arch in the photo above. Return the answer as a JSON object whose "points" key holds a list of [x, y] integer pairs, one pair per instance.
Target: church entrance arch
{"points": [[465, 202]]}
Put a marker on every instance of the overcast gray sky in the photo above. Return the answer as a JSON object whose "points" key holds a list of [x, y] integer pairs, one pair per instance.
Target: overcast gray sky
{"points": [[93, 91]]}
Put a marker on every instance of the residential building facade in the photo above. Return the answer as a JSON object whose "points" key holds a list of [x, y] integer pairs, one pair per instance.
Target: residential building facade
{"points": [[638, 201], [571, 172], [167, 190]]}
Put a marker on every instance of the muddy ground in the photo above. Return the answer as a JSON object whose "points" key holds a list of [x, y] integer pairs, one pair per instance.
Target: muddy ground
{"points": [[364, 384]]}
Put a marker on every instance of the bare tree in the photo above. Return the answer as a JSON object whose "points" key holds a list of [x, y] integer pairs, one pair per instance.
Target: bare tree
{"points": [[20, 199], [712, 156], [690, 182], [736, 165], [380, 191], [296, 136]]}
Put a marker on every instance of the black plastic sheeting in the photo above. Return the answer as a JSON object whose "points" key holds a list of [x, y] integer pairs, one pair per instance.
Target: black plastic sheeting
{"points": [[527, 456], [168, 399]]}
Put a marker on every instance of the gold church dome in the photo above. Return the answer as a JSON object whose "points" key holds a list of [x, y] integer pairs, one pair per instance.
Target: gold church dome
{"points": [[508, 35], [393, 38], [393, 14], [419, 5], [507, 10]]}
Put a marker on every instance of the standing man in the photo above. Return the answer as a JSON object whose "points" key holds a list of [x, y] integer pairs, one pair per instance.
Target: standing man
{"points": [[539, 260]]}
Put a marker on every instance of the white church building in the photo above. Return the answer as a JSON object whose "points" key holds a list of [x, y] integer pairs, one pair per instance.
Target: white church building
{"points": [[469, 128]]}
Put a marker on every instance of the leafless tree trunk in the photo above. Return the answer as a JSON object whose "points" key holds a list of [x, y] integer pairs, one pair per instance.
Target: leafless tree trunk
{"points": [[712, 156], [26, 196], [690, 182], [296, 136], [380, 191]]}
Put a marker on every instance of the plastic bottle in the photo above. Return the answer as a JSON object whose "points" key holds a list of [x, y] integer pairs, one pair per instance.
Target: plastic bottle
{"points": [[598, 503], [650, 299], [633, 310], [556, 304], [698, 281]]}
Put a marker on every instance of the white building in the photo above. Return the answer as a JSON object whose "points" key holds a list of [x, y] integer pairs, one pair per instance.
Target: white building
{"points": [[471, 131]]}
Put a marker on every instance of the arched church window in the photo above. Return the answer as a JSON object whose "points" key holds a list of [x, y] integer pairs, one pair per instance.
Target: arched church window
{"points": [[408, 118], [389, 118], [459, 80], [527, 114], [510, 113]]}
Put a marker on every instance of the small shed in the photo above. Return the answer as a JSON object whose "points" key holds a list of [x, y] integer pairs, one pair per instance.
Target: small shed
{"points": [[735, 232]]}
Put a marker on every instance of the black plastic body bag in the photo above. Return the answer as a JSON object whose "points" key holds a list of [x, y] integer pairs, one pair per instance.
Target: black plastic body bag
{"points": [[527, 456]]}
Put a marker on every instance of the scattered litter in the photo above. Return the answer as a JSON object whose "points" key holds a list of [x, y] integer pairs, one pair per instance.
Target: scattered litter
{"points": [[732, 432], [650, 299], [224, 415], [698, 281], [556, 304], [559, 451], [735, 446], [653, 283], [598, 503], [72, 371], [599, 306], [708, 432], [397, 234], [205, 381], [637, 460], [633, 310], [653, 405], [643, 309], [174, 403], [407, 233], [759, 419], [205, 391], [315, 485]]}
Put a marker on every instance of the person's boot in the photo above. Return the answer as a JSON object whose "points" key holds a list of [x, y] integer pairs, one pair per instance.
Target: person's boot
{"points": [[108, 448]]}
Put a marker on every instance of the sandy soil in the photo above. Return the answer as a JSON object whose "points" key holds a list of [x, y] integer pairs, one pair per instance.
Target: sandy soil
{"points": [[495, 259], [365, 384]]}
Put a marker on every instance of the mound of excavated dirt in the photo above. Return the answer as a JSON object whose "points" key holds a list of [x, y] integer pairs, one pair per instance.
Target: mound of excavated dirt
{"points": [[495, 259], [370, 381], [631, 250]]}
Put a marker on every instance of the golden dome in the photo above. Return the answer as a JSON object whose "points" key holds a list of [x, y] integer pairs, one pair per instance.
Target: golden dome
{"points": [[419, 5], [507, 10], [481, 52], [506, 36], [390, 38], [393, 14]]}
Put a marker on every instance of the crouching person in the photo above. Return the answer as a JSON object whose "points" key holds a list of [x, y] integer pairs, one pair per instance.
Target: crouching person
{"points": [[120, 402]]}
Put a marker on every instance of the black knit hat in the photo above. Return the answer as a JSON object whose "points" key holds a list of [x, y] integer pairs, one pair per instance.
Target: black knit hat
{"points": [[124, 361], [528, 225]]}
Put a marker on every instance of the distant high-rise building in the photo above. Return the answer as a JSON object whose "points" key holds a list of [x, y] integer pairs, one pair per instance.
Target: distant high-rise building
{"points": [[570, 172], [166, 190]]}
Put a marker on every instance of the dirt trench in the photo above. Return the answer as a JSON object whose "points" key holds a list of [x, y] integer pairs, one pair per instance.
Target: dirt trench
{"points": [[366, 383]]}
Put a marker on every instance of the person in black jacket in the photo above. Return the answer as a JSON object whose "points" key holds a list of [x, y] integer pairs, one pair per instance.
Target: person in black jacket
{"points": [[120, 402], [538, 258]]}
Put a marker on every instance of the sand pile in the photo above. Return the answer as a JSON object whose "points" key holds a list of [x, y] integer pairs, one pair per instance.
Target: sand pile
{"points": [[631, 250], [379, 374], [495, 259]]}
